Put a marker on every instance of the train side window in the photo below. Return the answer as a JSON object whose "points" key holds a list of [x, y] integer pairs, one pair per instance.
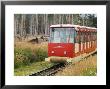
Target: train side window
{"points": [[77, 37], [51, 35], [82, 37], [92, 36], [95, 36], [88, 37], [63, 35], [71, 35], [55, 35]]}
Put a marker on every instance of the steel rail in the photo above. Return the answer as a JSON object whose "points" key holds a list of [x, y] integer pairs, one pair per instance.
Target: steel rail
{"points": [[54, 69]]}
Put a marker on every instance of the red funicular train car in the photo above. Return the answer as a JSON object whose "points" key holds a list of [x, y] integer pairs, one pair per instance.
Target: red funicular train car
{"points": [[67, 40]]}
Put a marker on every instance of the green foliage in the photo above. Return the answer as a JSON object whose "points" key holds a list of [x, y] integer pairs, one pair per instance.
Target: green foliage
{"points": [[22, 57], [32, 68], [41, 54], [90, 72], [25, 56]]}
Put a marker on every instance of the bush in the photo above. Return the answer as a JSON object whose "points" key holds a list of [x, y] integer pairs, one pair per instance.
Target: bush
{"points": [[41, 54], [25, 56], [22, 57]]}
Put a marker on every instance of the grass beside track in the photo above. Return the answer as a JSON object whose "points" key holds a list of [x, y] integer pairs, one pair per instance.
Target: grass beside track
{"points": [[32, 68], [87, 67], [26, 53], [89, 72]]}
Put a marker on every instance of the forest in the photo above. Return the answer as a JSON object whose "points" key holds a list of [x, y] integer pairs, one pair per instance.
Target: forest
{"points": [[32, 25], [30, 47]]}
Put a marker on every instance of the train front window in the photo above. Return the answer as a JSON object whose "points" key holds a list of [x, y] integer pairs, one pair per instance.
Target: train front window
{"points": [[62, 35]]}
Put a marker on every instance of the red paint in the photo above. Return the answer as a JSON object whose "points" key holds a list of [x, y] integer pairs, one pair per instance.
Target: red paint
{"points": [[59, 49]]}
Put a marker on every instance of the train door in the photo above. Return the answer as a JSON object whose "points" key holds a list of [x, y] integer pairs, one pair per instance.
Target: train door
{"points": [[85, 41], [92, 41], [88, 42], [81, 43], [95, 39], [77, 38]]}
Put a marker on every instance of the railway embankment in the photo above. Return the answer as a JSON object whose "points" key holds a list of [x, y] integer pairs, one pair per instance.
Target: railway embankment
{"points": [[86, 67]]}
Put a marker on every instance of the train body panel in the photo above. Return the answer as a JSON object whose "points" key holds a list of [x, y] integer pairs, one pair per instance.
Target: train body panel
{"points": [[70, 41], [61, 49]]}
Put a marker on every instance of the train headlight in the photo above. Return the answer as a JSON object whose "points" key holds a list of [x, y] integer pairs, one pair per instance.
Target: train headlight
{"points": [[52, 52], [64, 52]]}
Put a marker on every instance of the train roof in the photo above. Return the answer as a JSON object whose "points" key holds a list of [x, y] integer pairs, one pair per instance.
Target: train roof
{"points": [[64, 25], [77, 27]]}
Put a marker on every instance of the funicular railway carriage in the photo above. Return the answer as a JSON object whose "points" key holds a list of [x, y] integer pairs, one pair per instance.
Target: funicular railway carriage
{"points": [[69, 41]]}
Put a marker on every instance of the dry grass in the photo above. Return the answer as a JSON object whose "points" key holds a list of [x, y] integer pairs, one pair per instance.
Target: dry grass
{"points": [[26, 53], [85, 67], [24, 45]]}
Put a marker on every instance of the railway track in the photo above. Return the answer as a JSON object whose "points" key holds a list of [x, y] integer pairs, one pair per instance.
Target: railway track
{"points": [[58, 67], [50, 71]]}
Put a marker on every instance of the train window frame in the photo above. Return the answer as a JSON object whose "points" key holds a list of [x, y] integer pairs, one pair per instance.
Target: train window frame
{"points": [[69, 38], [3, 43], [77, 37]]}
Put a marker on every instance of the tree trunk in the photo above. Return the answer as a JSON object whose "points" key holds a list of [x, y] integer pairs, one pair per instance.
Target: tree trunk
{"points": [[72, 20]]}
